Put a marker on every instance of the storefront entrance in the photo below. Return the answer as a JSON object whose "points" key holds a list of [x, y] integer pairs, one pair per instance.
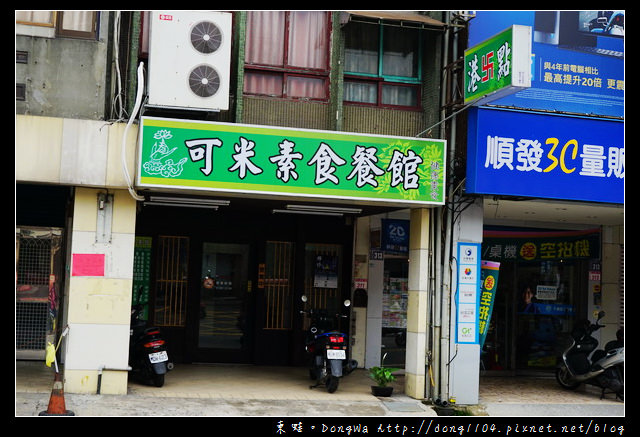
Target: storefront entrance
{"points": [[539, 299], [228, 287], [225, 305]]}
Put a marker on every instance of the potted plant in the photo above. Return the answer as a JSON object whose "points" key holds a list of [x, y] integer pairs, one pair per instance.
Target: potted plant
{"points": [[383, 376]]}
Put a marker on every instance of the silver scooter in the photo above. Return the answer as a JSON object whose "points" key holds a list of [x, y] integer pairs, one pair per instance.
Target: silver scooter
{"points": [[604, 369]]}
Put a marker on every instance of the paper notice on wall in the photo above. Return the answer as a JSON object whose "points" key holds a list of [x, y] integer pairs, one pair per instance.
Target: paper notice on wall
{"points": [[88, 264]]}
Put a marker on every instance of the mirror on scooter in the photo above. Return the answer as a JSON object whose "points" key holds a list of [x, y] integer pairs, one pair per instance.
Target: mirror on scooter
{"points": [[304, 298], [347, 303], [600, 315]]}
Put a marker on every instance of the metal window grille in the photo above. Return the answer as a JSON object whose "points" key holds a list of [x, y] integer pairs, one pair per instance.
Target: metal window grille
{"points": [[34, 262], [31, 325], [171, 281], [38, 277], [278, 284], [621, 317]]}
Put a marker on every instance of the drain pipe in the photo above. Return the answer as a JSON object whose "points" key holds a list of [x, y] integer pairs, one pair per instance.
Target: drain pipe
{"points": [[445, 306], [435, 311], [432, 370], [101, 368]]}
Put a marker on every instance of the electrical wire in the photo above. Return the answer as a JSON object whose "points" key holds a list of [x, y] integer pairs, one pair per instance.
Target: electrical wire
{"points": [[136, 107]]}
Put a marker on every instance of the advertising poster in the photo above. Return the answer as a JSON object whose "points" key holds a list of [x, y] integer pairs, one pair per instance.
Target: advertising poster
{"points": [[489, 281], [326, 272], [562, 137], [577, 61]]}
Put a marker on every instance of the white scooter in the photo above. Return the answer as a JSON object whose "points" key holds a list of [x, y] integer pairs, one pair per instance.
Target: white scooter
{"points": [[605, 368]]}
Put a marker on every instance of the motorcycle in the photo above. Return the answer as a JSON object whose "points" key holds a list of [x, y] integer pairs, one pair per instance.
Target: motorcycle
{"points": [[327, 349], [148, 356], [605, 368]]}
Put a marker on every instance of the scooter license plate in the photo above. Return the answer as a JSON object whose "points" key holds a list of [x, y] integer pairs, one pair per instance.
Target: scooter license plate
{"points": [[158, 357], [336, 354]]}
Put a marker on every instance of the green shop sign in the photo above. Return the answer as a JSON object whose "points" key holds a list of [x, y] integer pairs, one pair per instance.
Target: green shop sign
{"points": [[237, 158], [498, 66]]}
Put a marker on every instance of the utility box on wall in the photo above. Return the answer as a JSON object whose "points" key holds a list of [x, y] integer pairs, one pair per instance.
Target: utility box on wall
{"points": [[189, 59]]}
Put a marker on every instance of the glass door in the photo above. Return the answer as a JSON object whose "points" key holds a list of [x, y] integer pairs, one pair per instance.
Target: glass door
{"points": [[323, 277], [547, 303], [224, 300]]}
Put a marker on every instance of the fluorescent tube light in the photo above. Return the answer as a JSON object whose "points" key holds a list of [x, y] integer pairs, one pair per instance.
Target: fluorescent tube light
{"points": [[185, 205], [185, 201], [334, 209], [294, 211]]}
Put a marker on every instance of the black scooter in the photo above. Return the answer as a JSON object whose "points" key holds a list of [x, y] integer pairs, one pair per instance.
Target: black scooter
{"points": [[148, 356], [327, 349], [605, 368]]}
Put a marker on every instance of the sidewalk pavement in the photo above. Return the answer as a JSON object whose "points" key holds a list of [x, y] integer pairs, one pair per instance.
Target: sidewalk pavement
{"points": [[247, 391]]}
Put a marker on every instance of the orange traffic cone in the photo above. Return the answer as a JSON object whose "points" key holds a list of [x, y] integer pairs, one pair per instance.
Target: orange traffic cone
{"points": [[56, 401]]}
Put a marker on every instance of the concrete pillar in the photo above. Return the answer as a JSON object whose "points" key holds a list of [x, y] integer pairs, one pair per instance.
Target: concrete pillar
{"points": [[98, 300], [360, 276], [464, 358], [418, 303]]}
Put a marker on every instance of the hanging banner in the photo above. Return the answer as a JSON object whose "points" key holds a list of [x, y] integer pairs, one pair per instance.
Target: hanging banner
{"points": [[264, 160], [488, 291]]}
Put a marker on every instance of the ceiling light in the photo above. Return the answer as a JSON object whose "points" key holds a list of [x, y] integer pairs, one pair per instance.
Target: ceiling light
{"points": [[333, 209], [185, 205], [310, 212], [186, 202]]}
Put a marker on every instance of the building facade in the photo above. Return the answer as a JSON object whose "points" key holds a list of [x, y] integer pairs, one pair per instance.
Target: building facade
{"points": [[137, 184], [545, 176]]}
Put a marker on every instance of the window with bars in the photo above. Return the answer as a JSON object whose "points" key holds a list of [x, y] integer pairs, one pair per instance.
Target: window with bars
{"points": [[287, 54], [170, 300]]}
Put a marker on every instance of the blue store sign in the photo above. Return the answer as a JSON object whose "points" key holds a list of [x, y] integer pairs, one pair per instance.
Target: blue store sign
{"points": [[395, 236], [516, 153]]}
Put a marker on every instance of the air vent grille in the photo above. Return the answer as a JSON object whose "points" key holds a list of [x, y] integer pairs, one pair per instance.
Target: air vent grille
{"points": [[204, 80], [206, 37]]}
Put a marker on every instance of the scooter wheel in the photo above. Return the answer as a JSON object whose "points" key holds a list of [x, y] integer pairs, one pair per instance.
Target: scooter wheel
{"points": [[564, 378], [158, 380], [332, 383]]}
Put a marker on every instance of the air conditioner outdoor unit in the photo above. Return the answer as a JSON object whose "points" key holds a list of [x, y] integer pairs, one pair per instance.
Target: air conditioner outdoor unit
{"points": [[189, 57]]}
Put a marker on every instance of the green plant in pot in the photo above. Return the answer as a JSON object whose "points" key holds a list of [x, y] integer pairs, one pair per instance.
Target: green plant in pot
{"points": [[383, 376]]}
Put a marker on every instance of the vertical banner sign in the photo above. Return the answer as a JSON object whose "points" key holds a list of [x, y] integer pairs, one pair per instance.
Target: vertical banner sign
{"points": [[489, 280], [498, 66], [468, 293]]}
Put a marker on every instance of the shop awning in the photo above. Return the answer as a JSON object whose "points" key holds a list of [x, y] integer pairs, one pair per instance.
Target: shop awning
{"points": [[397, 17]]}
